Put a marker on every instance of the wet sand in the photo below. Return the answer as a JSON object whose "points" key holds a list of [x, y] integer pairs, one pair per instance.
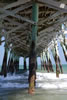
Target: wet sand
{"points": [[40, 94]]}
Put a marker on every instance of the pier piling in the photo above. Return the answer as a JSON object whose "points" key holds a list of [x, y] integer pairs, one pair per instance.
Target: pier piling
{"points": [[32, 64]]}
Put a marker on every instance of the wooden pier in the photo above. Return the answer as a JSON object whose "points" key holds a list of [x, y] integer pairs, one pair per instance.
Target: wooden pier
{"points": [[29, 28]]}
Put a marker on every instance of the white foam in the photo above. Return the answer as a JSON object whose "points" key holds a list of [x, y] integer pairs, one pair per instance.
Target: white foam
{"points": [[13, 77], [43, 80], [51, 76], [14, 85], [50, 81]]}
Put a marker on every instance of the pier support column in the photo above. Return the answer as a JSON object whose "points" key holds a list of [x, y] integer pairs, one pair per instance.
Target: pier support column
{"points": [[32, 69], [56, 60], [57, 67], [47, 56], [25, 67], [4, 65], [64, 46], [51, 66], [42, 62], [32, 59], [11, 67], [44, 58], [54, 51], [64, 50], [9, 63], [16, 63], [61, 68]]}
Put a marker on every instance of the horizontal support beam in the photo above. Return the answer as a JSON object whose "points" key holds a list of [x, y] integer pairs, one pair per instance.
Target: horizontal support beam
{"points": [[15, 4], [55, 4], [53, 16], [11, 13], [14, 29], [55, 25], [16, 10]]}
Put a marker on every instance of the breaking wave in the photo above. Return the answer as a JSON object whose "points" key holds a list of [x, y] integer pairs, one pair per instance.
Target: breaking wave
{"points": [[43, 80]]}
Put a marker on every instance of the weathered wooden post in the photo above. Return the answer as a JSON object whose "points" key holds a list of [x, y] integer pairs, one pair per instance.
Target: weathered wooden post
{"points": [[4, 65], [11, 67], [16, 63], [9, 62], [36, 64], [63, 41], [61, 68], [47, 56], [50, 67], [42, 62], [44, 58], [56, 60], [32, 62], [25, 67], [64, 50], [55, 55], [64, 45]]}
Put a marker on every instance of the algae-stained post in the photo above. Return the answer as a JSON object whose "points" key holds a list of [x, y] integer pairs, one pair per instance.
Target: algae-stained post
{"points": [[4, 65], [25, 67], [32, 62]]}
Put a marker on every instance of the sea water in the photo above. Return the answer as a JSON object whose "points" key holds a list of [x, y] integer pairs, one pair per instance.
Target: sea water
{"points": [[48, 87]]}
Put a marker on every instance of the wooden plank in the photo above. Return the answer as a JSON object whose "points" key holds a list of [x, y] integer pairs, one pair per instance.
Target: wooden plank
{"points": [[55, 4], [54, 26], [14, 38], [15, 4], [43, 39], [11, 13], [15, 10], [21, 8], [50, 17], [13, 22], [14, 29], [20, 45]]}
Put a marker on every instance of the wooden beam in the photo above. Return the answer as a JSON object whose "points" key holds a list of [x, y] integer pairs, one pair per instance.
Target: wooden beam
{"points": [[23, 7], [55, 4], [18, 40], [11, 13], [15, 4], [16, 10], [20, 47], [54, 26], [50, 17], [15, 37], [32, 56], [14, 29], [42, 39]]}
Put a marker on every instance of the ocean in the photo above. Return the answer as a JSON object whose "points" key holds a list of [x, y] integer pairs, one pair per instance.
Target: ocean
{"points": [[48, 87]]}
